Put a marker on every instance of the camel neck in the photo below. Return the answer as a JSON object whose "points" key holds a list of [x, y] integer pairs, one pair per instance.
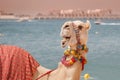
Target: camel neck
{"points": [[66, 73]]}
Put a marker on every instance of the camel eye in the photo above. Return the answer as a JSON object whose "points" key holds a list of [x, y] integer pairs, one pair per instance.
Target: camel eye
{"points": [[80, 27], [66, 26]]}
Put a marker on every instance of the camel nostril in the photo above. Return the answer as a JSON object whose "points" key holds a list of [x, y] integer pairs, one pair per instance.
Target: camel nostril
{"points": [[63, 43]]}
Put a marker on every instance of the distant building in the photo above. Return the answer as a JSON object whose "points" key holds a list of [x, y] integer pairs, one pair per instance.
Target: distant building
{"points": [[77, 13]]}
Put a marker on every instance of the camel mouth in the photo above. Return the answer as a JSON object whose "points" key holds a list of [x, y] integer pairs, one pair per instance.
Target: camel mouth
{"points": [[65, 41], [63, 44]]}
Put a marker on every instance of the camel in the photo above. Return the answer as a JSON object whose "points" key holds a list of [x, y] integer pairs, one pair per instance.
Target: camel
{"points": [[74, 35], [16, 63]]}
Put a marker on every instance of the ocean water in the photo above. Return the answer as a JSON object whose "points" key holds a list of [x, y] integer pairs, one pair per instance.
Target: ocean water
{"points": [[41, 38]]}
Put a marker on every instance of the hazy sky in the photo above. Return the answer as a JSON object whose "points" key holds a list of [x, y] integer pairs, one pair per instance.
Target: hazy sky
{"points": [[35, 6]]}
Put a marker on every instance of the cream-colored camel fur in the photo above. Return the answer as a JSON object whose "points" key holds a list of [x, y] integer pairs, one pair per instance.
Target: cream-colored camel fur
{"points": [[69, 39]]}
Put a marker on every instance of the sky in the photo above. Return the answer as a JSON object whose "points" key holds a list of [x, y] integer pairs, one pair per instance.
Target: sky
{"points": [[36, 6]]}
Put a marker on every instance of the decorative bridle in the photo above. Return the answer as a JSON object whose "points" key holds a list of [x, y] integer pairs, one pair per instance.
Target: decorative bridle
{"points": [[77, 54]]}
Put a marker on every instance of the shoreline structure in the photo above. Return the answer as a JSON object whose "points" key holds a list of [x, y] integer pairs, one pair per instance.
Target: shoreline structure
{"points": [[63, 14]]}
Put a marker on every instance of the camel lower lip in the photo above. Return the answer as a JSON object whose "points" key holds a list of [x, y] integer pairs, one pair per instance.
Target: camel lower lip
{"points": [[63, 46]]}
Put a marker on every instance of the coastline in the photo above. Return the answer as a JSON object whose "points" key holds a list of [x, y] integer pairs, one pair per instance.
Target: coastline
{"points": [[8, 17], [65, 14], [56, 17]]}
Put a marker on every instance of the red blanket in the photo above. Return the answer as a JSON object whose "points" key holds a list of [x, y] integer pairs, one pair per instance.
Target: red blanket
{"points": [[16, 63]]}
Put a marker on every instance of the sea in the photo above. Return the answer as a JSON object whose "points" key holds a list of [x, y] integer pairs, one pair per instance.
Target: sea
{"points": [[41, 38]]}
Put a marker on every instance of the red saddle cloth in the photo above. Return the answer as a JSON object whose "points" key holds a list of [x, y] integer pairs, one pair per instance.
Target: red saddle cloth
{"points": [[16, 63]]}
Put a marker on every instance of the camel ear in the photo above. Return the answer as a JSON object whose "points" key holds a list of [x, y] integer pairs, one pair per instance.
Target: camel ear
{"points": [[88, 25]]}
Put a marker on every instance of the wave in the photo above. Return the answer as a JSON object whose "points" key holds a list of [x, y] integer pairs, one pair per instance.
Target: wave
{"points": [[90, 78], [1, 34], [109, 23]]}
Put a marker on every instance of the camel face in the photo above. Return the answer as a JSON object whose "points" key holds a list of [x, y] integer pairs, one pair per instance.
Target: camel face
{"points": [[69, 31], [66, 33]]}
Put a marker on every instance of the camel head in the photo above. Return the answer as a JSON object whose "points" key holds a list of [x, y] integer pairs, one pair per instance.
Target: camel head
{"points": [[73, 29], [74, 35]]}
